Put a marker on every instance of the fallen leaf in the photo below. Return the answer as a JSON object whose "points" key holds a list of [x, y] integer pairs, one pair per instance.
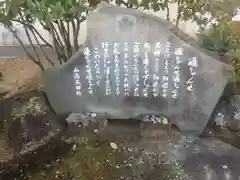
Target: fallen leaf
{"points": [[113, 145], [165, 121]]}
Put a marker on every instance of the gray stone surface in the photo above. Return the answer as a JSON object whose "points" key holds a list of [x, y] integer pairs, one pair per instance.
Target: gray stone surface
{"points": [[227, 113], [190, 111], [223, 114], [212, 159]]}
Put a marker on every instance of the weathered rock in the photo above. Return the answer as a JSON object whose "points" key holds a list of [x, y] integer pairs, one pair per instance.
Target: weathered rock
{"points": [[84, 119], [30, 129], [235, 121], [213, 160], [227, 113], [182, 84], [222, 114]]}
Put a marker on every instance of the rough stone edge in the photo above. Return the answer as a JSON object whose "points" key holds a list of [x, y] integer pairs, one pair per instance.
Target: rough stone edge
{"points": [[18, 161], [183, 37]]}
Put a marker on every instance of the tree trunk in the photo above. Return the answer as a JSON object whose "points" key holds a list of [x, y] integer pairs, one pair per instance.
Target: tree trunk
{"points": [[178, 13]]}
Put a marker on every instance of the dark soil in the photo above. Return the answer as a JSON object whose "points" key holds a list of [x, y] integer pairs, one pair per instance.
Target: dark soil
{"points": [[39, 145], [40, 148]]}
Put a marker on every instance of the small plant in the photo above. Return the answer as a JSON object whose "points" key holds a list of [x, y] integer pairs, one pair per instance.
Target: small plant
{"points": [[59, 18]]}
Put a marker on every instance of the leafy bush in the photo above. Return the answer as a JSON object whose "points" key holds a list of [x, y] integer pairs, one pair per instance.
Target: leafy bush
{"points": [[222, 36], [234, 56]]}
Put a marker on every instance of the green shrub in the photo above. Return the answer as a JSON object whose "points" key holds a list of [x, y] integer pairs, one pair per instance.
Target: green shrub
{"points": [[234, 56], [222, 37]]}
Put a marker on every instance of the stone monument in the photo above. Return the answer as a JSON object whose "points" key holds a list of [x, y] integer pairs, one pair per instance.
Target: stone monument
{"points": [[132, 64]]}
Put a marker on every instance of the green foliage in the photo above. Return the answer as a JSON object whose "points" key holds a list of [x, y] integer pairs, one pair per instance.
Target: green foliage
{"points": [[62, 18], [45, 11], [58, 17], [234, 56], [188, 10], [155, 5], [222, 36]]}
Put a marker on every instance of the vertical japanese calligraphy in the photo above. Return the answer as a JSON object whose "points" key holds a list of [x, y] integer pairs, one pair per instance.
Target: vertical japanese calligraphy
{"points": [[78, 85], [156, 77], [97, 65], [146, 71], [126, 80], [117, 66], [166, 67], [176, 72], [156, 74], [193, 64], [136, 77], [89, 77], [107, 65]]}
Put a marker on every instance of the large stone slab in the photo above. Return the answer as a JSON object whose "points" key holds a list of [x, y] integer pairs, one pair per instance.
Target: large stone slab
{"points": [[212, 159], [132, 64]]}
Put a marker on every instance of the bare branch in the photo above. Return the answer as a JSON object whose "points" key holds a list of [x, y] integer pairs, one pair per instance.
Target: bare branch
{"points": [[51, 62], [58, 46], [30, 39], [57, 36], [44, 26], [78, 30], [179, 13], [168, 11], [124, 3], [75, 34], [36, 31], [24, 48], [69, 40], [78, 21], [68, 30], [63, 35]]}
